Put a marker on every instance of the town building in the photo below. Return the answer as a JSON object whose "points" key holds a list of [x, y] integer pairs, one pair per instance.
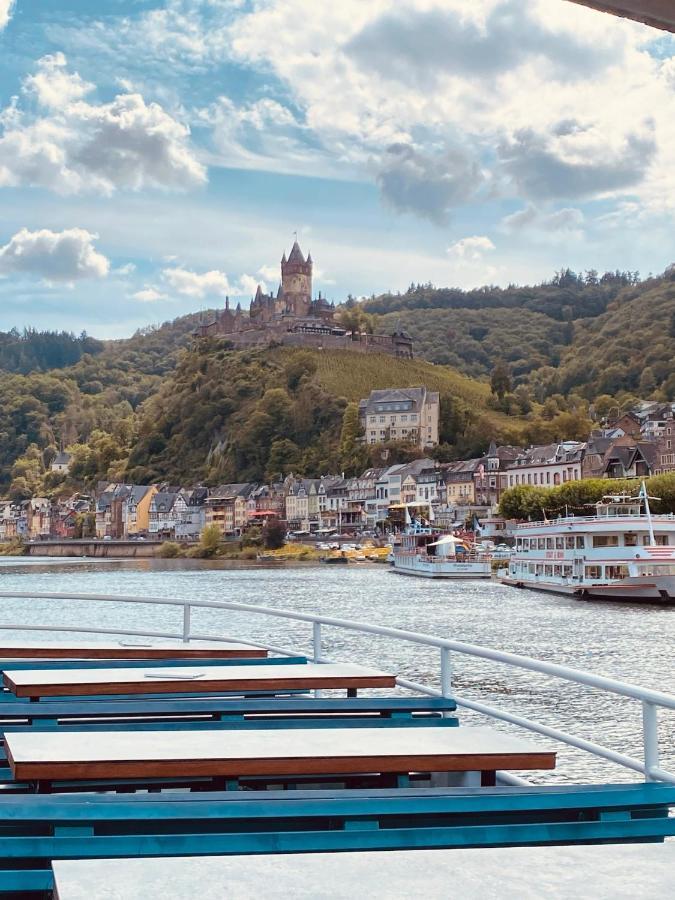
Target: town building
{"points": [[226, 507], [61, 463], [401, 414], [491, 476], [293, 317], [302, 503], [136, 509], [548, 466]]}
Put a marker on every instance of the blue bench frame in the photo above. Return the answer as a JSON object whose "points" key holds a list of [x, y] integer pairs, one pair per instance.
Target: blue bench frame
{"points": [[38, 829]]}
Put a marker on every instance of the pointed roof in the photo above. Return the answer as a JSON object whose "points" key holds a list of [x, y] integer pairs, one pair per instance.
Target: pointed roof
{"points": [[296, 254], [309, 257], [283, 258], [258, 293]]}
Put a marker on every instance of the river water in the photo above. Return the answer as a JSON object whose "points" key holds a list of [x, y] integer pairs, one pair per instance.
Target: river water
{"points": [[633, 643]]}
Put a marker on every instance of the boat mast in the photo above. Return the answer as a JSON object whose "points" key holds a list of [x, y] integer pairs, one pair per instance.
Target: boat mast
{"points": [[645, 498]]}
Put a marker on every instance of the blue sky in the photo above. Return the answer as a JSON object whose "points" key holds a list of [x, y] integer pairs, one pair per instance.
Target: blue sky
{"points": [[156, 155]]}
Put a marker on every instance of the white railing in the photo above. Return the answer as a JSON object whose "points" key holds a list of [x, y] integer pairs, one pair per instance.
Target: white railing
{"points": [[651, 700]]}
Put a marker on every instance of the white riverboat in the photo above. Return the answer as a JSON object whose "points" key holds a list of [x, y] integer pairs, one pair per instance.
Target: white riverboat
{"points": [[430, 554], [622, 552]]}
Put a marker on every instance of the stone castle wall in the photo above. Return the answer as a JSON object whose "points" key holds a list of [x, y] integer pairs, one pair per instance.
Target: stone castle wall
{"points": [[364, 344]]}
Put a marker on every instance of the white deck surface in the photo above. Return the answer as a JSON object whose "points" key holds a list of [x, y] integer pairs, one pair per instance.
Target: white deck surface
{"points": [[149, 676], [608, 872], [333, 743]]}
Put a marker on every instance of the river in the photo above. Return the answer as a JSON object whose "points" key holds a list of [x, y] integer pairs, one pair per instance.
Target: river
{"points": [[634, 643]]}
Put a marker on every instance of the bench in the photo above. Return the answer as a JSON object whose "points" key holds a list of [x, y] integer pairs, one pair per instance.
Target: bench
{"points": [[129, 649], [110, 755], [35, 830], [39, 683]]}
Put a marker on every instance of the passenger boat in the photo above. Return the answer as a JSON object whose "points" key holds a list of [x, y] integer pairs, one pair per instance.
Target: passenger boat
{"points": [[431, 554], [622, 552], [145, 761]]}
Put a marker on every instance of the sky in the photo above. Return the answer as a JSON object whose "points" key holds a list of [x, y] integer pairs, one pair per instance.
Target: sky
{"points": [[159, 155]]}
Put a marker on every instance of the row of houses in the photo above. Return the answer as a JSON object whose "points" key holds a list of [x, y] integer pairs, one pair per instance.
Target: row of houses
{"points": [[636, 444]]}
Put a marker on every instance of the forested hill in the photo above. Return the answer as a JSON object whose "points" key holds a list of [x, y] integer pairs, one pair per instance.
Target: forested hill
{"points": [[580, 325], [31, 350]]}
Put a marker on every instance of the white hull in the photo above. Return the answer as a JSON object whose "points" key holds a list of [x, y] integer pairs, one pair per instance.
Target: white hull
{"points": [[421, 568], [659, 589]]}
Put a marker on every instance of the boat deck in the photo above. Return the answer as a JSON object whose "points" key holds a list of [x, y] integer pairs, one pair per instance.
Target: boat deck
{"points": [[609, 872]]}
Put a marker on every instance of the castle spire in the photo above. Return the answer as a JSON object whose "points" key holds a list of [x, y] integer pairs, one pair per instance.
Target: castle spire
{"points": [[227, 302], [296, 254]]}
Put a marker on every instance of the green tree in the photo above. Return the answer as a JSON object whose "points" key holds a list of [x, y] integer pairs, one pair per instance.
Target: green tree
{"points": [[353, 453], [209, 540], [500, 380], [274, 534]]}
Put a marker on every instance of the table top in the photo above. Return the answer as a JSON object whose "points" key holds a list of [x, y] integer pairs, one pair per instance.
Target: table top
{"points": [[125, 649], [78, 682], [606, 872], [304, 751]]}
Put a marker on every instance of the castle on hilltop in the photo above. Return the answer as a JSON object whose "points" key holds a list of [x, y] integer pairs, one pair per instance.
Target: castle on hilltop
{"points": [[292, 317]]}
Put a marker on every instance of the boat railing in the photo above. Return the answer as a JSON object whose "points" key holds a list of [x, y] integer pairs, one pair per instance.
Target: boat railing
{"points": [[583, 520], [650, 700]]}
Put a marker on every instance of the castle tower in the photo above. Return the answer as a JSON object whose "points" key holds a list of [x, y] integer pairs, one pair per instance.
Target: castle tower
{"points": [[296, 282]]}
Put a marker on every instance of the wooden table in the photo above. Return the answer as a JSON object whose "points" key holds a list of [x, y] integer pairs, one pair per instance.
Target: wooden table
{"points": [[607, 872], [339, 751], [36, 683], [131, 649]]}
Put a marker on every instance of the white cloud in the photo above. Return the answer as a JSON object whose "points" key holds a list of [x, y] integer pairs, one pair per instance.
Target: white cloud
{"points": [[6, 7], [53, 255], [371, 75], [471, 248], [568, 219], [123, 271], [79, 146], [194, 284], [270, 273], [247, 286], [53, 85], [149, 295]]}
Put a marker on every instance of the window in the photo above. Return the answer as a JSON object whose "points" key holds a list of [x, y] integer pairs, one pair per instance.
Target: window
{"points": [[548, 478], [413, 417], [556, 478], [381, 419], [569, 543], [560, 543], [605, 540], [549, 543], [535, 477], [580, 542], [630, 540], [593, 572], [541, 543], [404, 418]]}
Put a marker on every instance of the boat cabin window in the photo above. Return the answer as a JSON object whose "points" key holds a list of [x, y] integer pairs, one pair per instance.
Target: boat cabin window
{"points": [[557, 571], [548, 571], [593, 572], [541, 543], [630, 540], [567, 571], [616, 572], [549, 543], [580, 542], [605, 540], [569, 542], [540, 570], [560, 543], [660, 540]]}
